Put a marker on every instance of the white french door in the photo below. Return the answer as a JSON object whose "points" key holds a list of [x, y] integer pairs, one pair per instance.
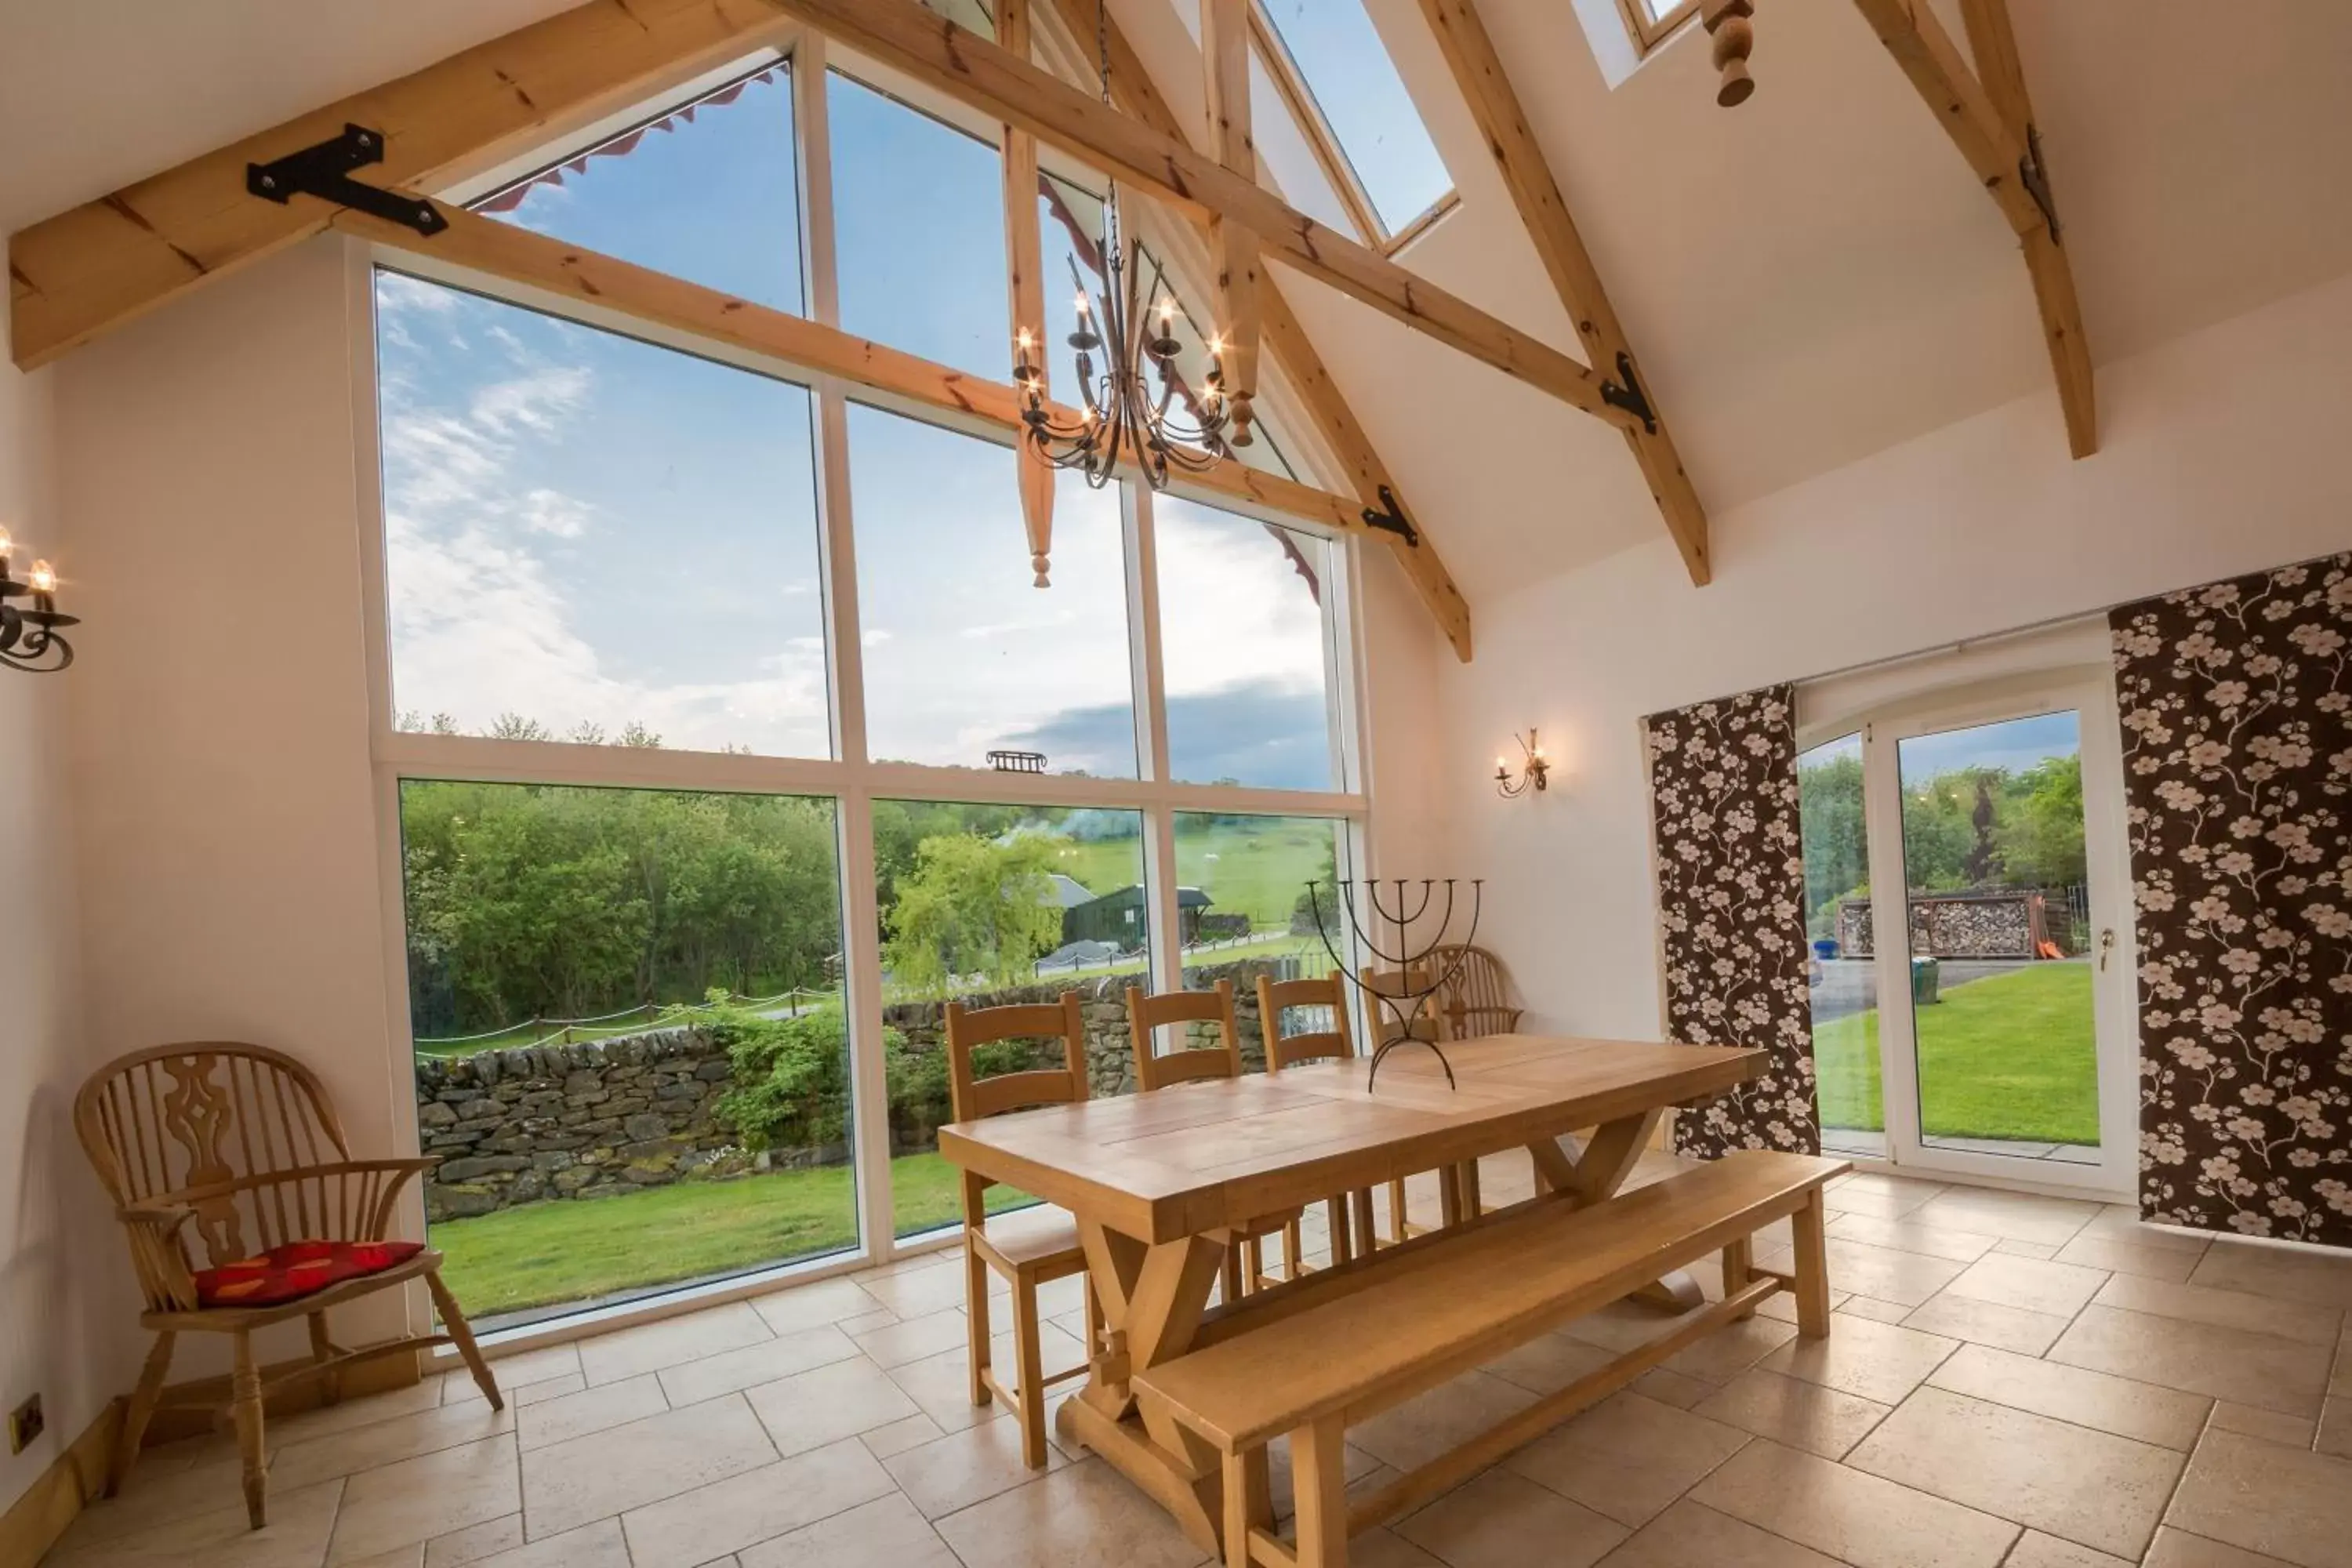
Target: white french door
{"points": [[1972, 971]]}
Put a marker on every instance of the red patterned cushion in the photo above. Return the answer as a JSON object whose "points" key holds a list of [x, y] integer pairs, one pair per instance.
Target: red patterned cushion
{"points": [[297, 1269]]}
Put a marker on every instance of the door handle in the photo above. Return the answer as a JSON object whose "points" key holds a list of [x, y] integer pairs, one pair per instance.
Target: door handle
{"points": [[2106, 945]]}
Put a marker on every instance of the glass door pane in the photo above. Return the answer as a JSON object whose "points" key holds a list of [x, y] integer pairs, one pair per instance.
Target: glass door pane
{"points": [[1997, 899], [1842, 977]]}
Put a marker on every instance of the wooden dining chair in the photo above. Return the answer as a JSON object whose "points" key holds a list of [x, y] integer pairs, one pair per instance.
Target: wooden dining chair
{"points": [[1458, 1185], [235, 1150], [1029, 1255], [1243, 1267], [1474, 994], [1349, 1217]]}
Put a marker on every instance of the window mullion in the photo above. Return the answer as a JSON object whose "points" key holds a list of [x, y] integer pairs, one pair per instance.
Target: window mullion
{"points": [[1152, 734], [861, 917]]}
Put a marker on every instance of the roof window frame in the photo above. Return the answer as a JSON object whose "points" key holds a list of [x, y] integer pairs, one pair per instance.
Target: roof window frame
{"points": [[1650, 34]]}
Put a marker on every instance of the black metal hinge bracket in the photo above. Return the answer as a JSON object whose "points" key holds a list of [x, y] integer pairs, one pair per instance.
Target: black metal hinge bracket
{"points": [[325, 171], [1389, 518], [2034, 175], [1629, 396]]}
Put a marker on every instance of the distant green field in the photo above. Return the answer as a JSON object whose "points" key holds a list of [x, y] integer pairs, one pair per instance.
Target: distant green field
{"points": [[1258, 869], [2007, 1056]]}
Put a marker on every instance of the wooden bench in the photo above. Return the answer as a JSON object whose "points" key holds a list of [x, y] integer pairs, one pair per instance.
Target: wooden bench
{"points": [[1339, 1352]]}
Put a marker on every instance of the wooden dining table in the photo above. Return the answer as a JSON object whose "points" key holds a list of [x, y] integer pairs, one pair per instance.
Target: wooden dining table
{"points": [[1159, 1183]]}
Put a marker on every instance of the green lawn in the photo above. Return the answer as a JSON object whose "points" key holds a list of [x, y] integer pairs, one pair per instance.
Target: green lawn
{"points": [[577, 1249], [2007, 1056]]}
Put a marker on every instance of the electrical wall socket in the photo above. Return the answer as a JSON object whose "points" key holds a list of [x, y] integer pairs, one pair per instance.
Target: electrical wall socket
{"points": [[24, 1424]]}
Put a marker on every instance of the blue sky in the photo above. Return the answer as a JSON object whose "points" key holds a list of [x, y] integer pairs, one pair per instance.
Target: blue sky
{"points": [[2015, 744], [585, 528], [1356, 85]]}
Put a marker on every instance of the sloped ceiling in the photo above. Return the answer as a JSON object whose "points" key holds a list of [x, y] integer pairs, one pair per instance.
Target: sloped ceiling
{"points": [[1809, 278], [1814, 276]]}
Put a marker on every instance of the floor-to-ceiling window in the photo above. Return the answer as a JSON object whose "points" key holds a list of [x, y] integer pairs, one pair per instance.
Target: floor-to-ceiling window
{"points": [[726, 739]]}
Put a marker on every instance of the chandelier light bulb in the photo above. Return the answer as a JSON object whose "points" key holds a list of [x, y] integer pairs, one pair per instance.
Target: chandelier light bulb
{"points": [[1024, 340], [43, 578], [7, 544]]}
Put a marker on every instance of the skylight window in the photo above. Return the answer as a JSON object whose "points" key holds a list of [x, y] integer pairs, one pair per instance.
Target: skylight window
{"points": [[1330, 61], [1652, 20]]}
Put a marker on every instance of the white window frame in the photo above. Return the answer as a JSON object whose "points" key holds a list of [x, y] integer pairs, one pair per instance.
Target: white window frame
{"points": [[850, 777]]}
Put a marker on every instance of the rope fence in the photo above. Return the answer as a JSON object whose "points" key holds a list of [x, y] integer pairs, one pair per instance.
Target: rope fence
{"points": [[626, 1020]]}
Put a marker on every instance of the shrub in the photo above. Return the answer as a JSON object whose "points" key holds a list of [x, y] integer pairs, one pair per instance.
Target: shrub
{"points": [[792, 1076], [920, 1101]]}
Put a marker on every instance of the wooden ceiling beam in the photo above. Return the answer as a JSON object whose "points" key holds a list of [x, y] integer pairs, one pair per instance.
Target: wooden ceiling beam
{"points": [[1024, 277], [1225, 61], [1988, 116], [1321, 401], [91, 268], [1994, 44], [595, 286], [1478, 72], [946, 58]]}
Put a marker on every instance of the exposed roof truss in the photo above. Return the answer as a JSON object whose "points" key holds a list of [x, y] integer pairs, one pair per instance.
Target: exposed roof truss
{"points": [[1989, 118]]}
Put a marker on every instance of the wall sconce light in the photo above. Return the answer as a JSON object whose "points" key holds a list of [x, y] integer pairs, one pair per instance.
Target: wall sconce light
{"points": [[1532, 773], [29, 637]]}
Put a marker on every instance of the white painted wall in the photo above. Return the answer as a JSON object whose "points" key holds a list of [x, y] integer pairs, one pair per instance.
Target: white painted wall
{"points": [[63, 1307], [226, 824], [2220, 454]]}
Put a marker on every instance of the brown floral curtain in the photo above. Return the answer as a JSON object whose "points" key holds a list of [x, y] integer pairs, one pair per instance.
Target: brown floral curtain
{"points": [[1731, 886], [2237, 718]]}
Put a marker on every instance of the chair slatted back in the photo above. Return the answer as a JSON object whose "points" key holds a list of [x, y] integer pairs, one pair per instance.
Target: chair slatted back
{"points": [[176, 1119], [1476, 994], [972, 1097], [1276, 996], [1422, 1023], [1147, 1013]]}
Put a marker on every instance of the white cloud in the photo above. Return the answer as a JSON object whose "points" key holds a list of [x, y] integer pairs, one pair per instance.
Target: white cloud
{"points": [[480, 624], [553, 513]]}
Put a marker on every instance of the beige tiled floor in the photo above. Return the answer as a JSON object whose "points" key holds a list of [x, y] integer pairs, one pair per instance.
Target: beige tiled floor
{"points": [[2012, 1382]]}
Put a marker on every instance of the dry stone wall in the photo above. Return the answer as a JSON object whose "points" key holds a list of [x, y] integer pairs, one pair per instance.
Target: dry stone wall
{"points": [[597, 1119]]}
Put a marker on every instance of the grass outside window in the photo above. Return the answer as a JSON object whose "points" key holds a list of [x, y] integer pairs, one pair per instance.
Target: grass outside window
{"points": [[579, 1250], [2009, 1056]]}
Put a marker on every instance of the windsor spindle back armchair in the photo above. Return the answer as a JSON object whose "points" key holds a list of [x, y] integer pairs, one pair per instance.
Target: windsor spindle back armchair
{"points": [[243, 1207], [1474, 993]]}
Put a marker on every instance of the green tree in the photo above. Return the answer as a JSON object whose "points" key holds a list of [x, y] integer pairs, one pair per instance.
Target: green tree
{"points": [[2041, 836], [1837, 855], [972, 905], [529, 900]]}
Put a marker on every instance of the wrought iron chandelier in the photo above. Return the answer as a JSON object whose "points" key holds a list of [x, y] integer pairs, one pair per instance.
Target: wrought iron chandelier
{"points": [[29, 638], [1128, 411]]}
